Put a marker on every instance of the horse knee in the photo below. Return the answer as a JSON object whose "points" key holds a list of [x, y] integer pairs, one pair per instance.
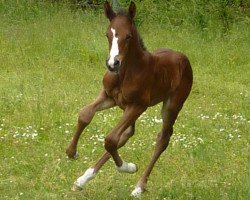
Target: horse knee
{"points": [[110, 144]]}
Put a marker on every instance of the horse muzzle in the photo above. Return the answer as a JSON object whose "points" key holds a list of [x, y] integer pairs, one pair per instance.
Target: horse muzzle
{"points": [[113, 65]]}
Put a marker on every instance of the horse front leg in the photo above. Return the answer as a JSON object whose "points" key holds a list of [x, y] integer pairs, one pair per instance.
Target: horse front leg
{"points": [[129, 117], [91, 172], [129, 132], [85, 116]]}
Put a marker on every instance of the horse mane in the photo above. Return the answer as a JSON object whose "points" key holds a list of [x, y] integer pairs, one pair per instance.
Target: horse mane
{"points": [[123, 12]]}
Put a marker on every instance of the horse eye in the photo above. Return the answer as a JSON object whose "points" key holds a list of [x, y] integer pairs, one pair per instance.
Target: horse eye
{"points": [[128, 37]]}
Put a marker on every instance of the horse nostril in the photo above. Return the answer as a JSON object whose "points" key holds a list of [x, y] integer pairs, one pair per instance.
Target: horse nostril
{"points": [[116, 63], [113, 66]]}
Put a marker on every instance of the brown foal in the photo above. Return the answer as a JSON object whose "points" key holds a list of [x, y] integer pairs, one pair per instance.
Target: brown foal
{"points": [[135, 80]]}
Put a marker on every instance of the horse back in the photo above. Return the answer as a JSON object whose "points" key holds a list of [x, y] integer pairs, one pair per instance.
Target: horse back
{"points": [[174, 64]]}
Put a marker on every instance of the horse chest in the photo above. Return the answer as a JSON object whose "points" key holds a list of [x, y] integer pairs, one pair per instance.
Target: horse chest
{"points": [[116, 94], [124, 94], [126, 91]]}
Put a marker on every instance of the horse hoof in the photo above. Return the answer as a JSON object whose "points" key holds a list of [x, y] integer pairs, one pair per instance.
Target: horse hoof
{"points": [[76, 188], [75, 156], [71, 155], [127, 168], [137, 192]]}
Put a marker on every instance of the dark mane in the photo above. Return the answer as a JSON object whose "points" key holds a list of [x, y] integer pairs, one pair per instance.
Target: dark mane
{"points": [[123, 12]]}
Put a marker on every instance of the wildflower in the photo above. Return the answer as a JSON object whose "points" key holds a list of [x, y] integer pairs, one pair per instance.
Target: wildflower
{"points": [[100, 139], [200, 140]]}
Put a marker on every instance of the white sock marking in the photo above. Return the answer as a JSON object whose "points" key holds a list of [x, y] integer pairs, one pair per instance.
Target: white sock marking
{"points": [[114, 51], [127, 167], [85, 178], [137, 192]]}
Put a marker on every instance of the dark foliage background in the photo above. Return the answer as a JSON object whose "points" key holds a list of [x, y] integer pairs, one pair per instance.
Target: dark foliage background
{"points": [[200, 14]]}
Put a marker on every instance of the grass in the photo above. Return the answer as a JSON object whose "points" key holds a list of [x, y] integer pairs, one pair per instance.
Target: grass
{"points": [[52, 64]]}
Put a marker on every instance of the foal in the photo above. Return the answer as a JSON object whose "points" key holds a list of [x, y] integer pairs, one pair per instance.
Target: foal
{"points": [[135, 80]]}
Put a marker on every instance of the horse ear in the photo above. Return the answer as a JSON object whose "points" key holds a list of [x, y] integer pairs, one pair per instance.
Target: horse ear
{"points": [[110, 14], [132, 10]]}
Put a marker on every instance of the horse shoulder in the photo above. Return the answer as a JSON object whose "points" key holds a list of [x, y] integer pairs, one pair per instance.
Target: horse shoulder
{"points": [[110, 82]]}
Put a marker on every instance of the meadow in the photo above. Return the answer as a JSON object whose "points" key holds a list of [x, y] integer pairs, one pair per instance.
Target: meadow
{"points": [[52, 60]]}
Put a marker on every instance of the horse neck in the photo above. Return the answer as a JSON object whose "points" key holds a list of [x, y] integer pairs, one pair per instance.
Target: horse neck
{"points": [[134, 58], [132, 64]]}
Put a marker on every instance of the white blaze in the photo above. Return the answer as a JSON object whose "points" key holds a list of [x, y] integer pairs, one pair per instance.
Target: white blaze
{"points": [[114, 51]]}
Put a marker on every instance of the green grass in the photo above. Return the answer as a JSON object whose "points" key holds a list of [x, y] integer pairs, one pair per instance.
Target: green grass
{"points": [[52, 64]]}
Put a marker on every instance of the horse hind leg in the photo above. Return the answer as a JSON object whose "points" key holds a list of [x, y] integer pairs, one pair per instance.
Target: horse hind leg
{"points": [[169, 116], [169, 112]]}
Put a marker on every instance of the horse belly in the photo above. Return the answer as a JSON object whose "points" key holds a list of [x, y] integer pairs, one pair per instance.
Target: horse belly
{"points": [[161, 86], [158, 95]]}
